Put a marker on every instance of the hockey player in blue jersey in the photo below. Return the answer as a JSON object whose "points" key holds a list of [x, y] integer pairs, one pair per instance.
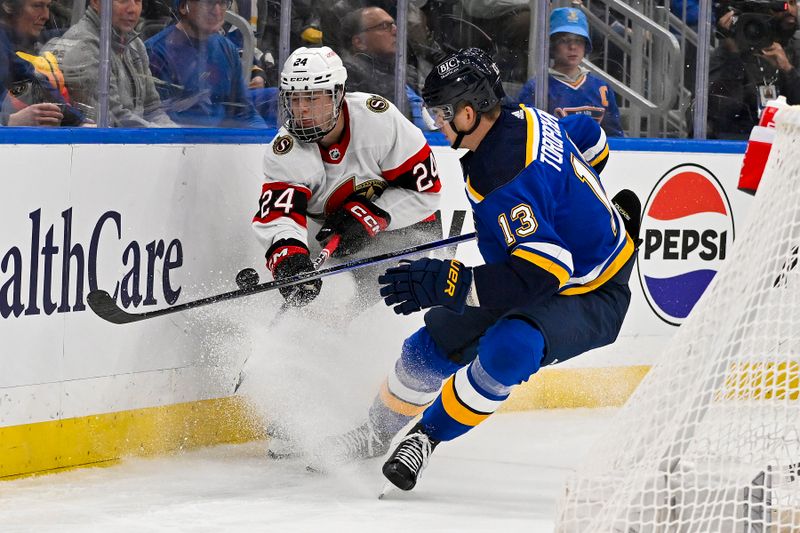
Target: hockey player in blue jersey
{"points": [[554, 285], [571, 88]]}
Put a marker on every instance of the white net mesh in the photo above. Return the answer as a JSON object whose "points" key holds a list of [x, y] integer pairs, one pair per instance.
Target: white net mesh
{"points": [[710, 441]]}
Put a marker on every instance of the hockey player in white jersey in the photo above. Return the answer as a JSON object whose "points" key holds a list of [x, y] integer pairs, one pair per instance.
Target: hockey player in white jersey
{"points": [[350, 162]]}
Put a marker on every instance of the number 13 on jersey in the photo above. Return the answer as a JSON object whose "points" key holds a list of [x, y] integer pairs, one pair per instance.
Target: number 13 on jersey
{"points": [[527, 223], [521, 221]]}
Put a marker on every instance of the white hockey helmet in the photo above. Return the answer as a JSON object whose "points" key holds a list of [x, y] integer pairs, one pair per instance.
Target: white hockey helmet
{"points": [[308, 74]]}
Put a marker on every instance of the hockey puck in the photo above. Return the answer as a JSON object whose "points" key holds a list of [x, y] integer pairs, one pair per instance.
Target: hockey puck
{"points": [[247, 278]]}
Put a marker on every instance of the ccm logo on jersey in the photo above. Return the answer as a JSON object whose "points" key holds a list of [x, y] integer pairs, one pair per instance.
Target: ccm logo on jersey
{"points": [[452, 277], [367, 220]]}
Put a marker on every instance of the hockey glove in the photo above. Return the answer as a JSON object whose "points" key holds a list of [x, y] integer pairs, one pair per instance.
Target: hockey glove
{"points": [[287, 258], [416, 285], [356, 222]]}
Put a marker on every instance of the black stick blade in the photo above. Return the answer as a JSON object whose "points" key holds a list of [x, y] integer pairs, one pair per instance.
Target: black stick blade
{"points": [[629, 206], [106, 308]]}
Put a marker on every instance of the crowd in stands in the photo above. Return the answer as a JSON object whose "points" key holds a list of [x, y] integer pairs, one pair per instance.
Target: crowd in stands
{"points": [[177, 63], [745, 72], [200, 76]]}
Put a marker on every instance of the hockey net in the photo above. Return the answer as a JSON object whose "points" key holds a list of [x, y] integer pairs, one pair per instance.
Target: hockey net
{"points": [[710, 440]]}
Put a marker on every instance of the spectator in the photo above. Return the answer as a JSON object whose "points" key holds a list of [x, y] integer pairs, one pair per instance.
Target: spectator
{"points": [[133, 100], [202, 78], [370, 39], [744, 74], [422, 44], [572, 88], [33, 90]]}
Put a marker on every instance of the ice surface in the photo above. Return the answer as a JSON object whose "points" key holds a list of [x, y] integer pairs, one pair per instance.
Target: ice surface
{"points": [[314, 371], [504, 476]]}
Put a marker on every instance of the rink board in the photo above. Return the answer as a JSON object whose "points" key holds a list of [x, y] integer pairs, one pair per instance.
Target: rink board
{"points": [[164, 221]]}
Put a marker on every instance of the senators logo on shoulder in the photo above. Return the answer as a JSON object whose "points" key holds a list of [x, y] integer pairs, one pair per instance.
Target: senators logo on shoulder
{"points": [[378, 104], [282, 144]]}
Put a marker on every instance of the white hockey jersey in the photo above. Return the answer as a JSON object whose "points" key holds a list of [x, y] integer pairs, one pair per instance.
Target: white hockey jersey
{"points": [[381, 156]]}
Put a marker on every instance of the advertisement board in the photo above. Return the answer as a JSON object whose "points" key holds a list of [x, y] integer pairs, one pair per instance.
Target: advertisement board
{"points": [[159, 225]]}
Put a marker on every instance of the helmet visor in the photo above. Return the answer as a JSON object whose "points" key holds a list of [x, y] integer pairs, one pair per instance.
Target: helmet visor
{"points": [[442, 113]]}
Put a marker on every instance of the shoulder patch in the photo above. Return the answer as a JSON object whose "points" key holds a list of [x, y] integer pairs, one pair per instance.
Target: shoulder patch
{"points": [[377, 104], [282, 144]]}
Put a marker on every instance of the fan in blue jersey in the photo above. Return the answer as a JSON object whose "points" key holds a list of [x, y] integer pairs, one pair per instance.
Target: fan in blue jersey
{"points": [[201, 77], [572, 89], [554, 283]]}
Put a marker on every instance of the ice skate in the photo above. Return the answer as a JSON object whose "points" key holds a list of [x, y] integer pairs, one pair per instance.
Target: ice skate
{"points": [[282, 444], [405, 465], [362, 442]]}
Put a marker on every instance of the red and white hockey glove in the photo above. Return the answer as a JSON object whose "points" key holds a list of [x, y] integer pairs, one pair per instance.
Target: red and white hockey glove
{"points": [[356, 222], [287, 258]]}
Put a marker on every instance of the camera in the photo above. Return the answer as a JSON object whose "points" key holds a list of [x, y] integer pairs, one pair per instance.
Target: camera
{"points": [[757, 25]]}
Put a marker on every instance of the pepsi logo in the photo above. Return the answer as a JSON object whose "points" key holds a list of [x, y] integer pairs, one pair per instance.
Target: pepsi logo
{"points": [[687, 230]]}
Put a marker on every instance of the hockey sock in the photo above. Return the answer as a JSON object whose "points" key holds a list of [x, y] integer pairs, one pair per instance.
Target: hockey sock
{"points": [[466, 400], [412, 384], [508, 354]]}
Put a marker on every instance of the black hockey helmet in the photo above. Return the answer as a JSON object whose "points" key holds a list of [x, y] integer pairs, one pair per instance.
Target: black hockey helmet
{"points": [[469, 75]]}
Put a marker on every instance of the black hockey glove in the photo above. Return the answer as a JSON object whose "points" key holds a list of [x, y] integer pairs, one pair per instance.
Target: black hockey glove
{"points": [[289, 257], [416, 285], [356, 222]]}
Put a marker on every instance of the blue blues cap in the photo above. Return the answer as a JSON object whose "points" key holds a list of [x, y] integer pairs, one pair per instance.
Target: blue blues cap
{"points": [[570, 20]]}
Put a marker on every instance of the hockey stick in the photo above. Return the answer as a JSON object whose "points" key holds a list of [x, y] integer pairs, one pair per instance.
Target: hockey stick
{"points": [[106, 308]]}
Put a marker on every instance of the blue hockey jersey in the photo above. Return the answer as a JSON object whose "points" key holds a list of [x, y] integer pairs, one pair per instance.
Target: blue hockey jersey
{"points": [[202, 82], [553, 215], [509, 136], [588, 95]]}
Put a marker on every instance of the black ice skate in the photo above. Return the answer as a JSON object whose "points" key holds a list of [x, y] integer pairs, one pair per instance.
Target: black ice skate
{"points": [[409, 458]]}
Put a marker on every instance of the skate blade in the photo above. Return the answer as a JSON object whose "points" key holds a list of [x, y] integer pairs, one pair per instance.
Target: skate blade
{"points": [[283, 456], [388, 487]]}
